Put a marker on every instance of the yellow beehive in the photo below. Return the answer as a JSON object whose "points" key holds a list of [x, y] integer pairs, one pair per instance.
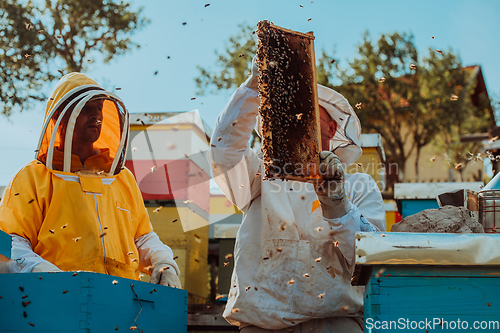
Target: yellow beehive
{"points": [[372, 161]]}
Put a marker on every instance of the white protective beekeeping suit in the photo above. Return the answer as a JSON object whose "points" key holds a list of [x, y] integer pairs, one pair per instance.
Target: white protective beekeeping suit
{"points": [[291, 264]]}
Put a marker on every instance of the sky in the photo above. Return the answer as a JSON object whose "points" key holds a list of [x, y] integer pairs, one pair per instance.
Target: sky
{"points": [[468, 28]]}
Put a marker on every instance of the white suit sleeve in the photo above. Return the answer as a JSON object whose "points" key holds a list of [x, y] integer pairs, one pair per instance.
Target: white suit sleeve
{"points": [[364, 193], [150, 243], [235, 165], [366, 213], [22, 252]]}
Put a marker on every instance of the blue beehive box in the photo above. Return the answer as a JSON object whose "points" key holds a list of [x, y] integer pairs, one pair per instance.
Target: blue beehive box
{"points": [[416, 197], [5, 244], [429, 282], [88, 302]]}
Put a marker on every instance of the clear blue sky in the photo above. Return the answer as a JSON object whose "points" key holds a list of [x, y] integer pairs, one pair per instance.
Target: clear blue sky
{"points": [[469, 28]]}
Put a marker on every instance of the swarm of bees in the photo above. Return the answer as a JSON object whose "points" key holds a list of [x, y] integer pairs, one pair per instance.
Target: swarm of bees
{"points": [[287, 88]]}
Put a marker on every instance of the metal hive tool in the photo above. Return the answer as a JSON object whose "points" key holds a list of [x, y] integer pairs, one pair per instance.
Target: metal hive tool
{"points": [[289, 103]]}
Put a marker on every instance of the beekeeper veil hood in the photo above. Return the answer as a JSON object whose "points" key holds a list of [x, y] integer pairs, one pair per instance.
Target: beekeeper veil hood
{"points": [[69, 97], [345, 143]]}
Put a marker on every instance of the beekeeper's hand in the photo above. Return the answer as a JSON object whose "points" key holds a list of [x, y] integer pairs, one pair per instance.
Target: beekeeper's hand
{"points": [[331, 192], [164, 273], [45, 266], [253, 81]]}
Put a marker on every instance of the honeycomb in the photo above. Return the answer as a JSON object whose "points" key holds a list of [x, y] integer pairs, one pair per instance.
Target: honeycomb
{"points": [[289, 103]]}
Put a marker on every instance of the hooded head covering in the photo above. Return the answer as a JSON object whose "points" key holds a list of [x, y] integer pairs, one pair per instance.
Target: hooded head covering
{"points": [[345, 143], [70, 95]]}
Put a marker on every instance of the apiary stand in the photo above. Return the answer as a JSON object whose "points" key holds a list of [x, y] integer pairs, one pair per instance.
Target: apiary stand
{"points": [[429, 282], [88, 302]]}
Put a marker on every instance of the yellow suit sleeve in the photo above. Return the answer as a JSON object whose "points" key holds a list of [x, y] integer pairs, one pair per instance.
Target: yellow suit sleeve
{"points": [[21, 209]]}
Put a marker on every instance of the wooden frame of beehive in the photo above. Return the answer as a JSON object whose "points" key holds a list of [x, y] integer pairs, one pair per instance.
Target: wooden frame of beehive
{"points": [[289, 112]]}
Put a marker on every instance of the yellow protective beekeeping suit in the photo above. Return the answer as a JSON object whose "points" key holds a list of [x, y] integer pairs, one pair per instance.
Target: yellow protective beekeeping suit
{"points": [[79, 216]]}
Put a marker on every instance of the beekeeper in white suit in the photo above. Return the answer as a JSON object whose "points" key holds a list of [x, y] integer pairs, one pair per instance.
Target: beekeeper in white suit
{"points": [[294, 252]]}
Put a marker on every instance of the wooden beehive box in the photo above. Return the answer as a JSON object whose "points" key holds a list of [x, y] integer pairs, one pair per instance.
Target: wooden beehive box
{"points": [[190, 248], [88, 302], [437, 279], [289, 103]]}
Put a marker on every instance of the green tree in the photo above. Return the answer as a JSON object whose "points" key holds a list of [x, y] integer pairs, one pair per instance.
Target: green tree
{"points": [[412, 103], [41, 40], [232, 65]]}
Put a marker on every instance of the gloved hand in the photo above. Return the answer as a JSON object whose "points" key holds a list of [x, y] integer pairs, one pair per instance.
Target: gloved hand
{"points": [[164, 273], [253, 81], [45, 266], [331, 192]]}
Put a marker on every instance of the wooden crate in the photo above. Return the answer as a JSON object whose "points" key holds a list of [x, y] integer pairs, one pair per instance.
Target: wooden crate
{"points": [[190, 247], [434, 297], [88, 302], [429, 282]]}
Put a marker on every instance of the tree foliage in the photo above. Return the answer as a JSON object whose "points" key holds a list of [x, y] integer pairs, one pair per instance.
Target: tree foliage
{"points": [[232, 66], [41, 40], [412, 101]]}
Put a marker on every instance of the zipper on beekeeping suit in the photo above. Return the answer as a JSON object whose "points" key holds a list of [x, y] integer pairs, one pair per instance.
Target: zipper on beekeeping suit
{"points": [[101, 230]]}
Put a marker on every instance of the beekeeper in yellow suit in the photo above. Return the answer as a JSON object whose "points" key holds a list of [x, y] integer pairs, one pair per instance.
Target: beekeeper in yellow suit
{"points": [[76, 207]]}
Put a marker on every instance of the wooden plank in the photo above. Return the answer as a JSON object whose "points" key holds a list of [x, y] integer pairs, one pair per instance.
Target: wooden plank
{"points": [[83, 302], [437, 271]]}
